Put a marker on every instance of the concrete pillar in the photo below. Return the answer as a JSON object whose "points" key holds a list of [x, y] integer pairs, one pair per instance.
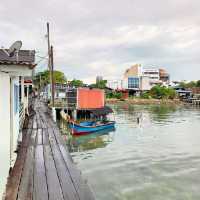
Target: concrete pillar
{"points": [[54, 113], [27, 93], [22, 89], [75, 114]]}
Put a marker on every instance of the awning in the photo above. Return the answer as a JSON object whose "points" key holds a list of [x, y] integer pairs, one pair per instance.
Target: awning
{"points": [[101, 111]]}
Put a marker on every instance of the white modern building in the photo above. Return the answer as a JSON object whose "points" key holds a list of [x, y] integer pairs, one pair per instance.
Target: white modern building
{"points": [[153, 74], [137, 78], [13, 103]]}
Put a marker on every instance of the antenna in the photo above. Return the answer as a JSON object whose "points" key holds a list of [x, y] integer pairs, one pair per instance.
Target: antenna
{"points": [[15, 47]]}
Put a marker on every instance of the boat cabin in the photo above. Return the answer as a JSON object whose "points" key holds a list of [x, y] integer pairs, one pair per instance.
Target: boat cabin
{"points": [[86, 102]]}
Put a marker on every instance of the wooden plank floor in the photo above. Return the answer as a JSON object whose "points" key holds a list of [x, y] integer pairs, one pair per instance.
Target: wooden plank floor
{"points": [[44, 169]]}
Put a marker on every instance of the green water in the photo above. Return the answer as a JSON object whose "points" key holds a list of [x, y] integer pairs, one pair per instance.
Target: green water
{"points": [[154, 158]]}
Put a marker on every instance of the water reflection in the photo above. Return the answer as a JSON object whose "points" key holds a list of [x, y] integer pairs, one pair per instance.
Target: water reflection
{"points": [[95, 140], [91, 141], [137, 115]]}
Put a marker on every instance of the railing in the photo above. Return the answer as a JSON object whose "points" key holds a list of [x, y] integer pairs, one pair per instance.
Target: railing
{"points": [[21, 115]]}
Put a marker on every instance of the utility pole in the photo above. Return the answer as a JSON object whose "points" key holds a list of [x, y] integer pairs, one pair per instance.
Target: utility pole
{"points": [[48, 42], [49, 59], [52, 78]]}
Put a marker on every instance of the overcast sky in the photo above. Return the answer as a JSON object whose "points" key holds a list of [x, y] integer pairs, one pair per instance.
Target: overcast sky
{"points": [[105, 37]]}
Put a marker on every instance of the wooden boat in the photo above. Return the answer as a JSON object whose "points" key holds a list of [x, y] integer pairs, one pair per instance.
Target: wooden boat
{"points": [[87, 127]]}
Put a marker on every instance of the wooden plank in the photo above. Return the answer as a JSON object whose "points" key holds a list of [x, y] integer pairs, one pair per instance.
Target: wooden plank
{"points": [[48, 119], [30, 123], [26, 185], [45, 136], [26, 134], [54, 187], [82, 188], [13, 183], [33, 138], [68, 189], [43, 125], [38, 120], [40, 183], [34, 122], [39, 137], [44, 119], [84, 191], [46, 170]]}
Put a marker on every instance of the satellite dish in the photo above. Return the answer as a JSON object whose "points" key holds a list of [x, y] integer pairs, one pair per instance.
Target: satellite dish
{"points": [[15, 47]]}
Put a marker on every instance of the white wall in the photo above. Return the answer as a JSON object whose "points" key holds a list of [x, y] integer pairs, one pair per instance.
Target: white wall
{"points": [[14, 115], [145, 83], [4, 129], [125, 83]]}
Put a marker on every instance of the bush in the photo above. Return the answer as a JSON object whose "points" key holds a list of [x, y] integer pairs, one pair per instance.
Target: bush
{"points": [[198, 83], [115, 95], [161, 92], [145, 95], [190, 84]]}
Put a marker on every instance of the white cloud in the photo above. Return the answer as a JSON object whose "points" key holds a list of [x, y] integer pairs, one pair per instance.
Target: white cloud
{"points": [[98, 37]]}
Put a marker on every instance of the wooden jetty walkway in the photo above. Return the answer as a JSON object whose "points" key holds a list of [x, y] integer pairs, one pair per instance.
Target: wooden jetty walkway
{"points": [[44, 169]]}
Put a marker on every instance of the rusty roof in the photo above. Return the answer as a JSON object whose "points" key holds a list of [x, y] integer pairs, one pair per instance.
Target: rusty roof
{"points": [[25, 57]]}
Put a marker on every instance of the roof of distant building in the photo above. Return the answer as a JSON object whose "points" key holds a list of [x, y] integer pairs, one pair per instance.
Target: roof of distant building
{"points": [[24, 57]]}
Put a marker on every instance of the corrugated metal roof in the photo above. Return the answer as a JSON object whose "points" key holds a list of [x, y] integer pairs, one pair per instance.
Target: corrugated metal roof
{"points": [[25, 57], [101, 111]]}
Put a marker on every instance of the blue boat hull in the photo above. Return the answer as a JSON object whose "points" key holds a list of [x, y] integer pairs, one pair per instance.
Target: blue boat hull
{"points": [[89, 127]]}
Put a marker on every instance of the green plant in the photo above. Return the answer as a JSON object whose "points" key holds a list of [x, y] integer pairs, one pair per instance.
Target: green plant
{"points": [[198, 83], [145, 95], [77, 83], [43, 78], [100, 84], [162, 92], [115, 95]]}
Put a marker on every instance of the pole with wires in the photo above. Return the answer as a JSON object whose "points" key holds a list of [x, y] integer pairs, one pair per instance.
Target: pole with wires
{"points": [[52, 77], [49, 51], [49, 61], [52, 86]]}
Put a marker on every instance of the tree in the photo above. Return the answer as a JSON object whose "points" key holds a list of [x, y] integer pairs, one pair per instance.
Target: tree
{"points": [[43, 78], [190, 84], [77, 83], [59, 77], [198, 83], [101, 84], [182, 84], [161, 92]]}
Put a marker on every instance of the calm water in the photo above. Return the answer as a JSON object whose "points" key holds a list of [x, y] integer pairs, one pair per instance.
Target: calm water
{"points": [[154, 158]]}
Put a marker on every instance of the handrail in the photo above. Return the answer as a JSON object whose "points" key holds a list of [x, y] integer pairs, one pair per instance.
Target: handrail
{"points": [[21, 115]]}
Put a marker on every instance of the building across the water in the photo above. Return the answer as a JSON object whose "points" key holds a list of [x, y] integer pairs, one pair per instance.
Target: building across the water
{"points": [[137, 79], [99, 78], [14, 97]]}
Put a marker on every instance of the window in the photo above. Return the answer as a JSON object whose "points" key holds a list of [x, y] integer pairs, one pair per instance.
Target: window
{"points": [[133, 82]]}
